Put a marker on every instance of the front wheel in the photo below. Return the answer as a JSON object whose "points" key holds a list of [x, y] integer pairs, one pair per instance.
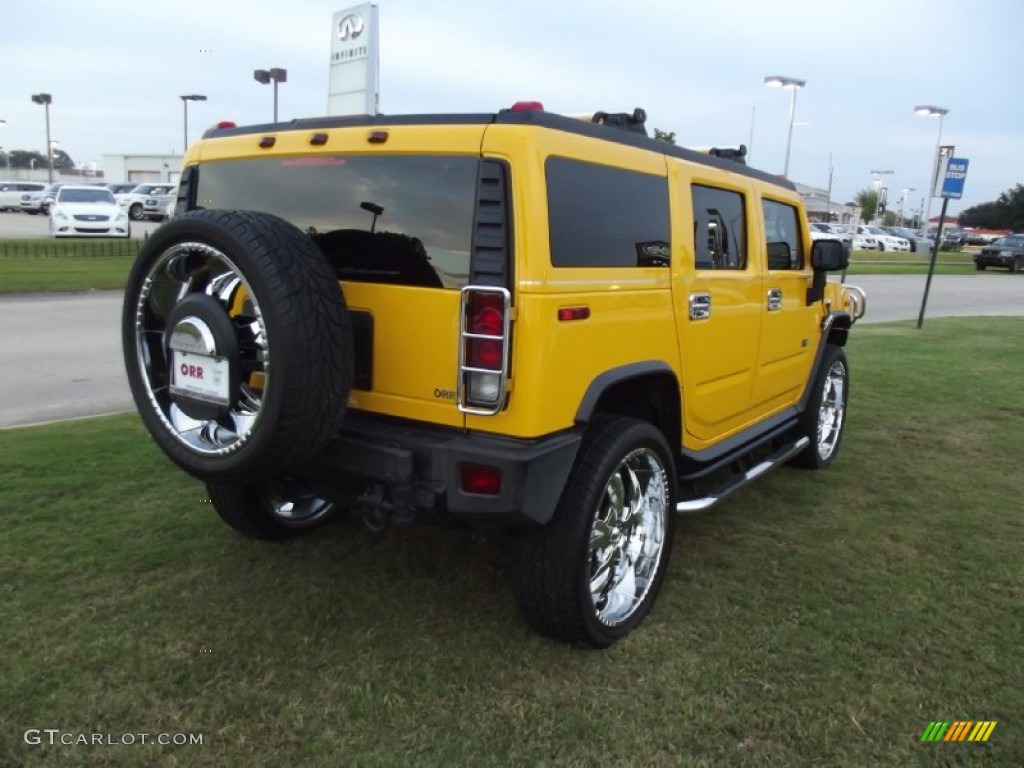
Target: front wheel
{"points": [[272, 510], [591, 575], [1016, 267], [825, 417], [135, 211]]}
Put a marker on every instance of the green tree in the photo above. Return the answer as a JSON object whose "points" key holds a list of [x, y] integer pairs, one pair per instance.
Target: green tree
{"points": [[669, 137], [890, 219], [867, 199], [21, 158], [1007, 212]]}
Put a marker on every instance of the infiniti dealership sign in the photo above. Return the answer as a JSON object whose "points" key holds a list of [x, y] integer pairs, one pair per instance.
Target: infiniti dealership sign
{"points": [[353, 81]]}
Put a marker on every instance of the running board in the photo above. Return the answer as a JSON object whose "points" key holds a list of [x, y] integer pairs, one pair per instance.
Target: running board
{"points": [[780, 456]]}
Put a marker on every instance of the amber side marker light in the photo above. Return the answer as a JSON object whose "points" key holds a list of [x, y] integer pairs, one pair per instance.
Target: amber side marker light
{"points": [[267, 142], [377, 137], [318, 139]]}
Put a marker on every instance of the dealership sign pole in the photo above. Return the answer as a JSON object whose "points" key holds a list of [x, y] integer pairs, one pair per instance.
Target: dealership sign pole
{"points": [[951, 175]]}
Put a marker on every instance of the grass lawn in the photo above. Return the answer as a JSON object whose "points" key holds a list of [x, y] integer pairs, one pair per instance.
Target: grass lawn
{"points": [[32, 264], [814, 619], [889, 263]]}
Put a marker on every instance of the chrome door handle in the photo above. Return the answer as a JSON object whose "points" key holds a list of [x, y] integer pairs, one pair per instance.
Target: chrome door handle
{"points": [[700, 306], [774, 299]]}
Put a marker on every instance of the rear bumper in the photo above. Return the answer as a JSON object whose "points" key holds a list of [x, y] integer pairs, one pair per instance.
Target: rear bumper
{"points": [[418, 468]]}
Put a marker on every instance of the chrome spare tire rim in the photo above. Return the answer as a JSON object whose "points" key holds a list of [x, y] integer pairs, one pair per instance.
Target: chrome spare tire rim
{"points": [[832, 410], [185, 270], [627, 536], [299, 511]]}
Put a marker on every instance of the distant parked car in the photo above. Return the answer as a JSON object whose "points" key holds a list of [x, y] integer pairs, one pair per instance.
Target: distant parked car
{"points": [[84, 211], [886, 242], [134, 202], [918, 242], [159, 207], [40, 202], [1005, 252], [12, 192]]}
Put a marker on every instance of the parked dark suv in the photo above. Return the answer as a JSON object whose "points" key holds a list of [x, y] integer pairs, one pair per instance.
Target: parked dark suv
{"points": [[1005, 252]]}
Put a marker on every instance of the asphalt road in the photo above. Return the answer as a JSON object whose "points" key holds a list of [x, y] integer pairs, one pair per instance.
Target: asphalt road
{"points": [[61, 353], [18, 224]]}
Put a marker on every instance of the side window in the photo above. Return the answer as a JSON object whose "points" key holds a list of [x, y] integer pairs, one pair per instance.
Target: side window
{"points": [[782, 231], [719, 228], [600, 216]]}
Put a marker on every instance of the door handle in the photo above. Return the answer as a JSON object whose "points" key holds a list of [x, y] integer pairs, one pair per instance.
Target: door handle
{"points": [[700, 306], [774, 299]]}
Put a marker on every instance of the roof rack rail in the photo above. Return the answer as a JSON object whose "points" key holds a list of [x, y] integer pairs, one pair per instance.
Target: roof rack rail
{"points": [[629, 122], [739, 154]]}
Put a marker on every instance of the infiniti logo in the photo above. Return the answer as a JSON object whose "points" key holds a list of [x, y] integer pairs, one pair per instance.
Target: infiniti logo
{"points": [[350, 27]]}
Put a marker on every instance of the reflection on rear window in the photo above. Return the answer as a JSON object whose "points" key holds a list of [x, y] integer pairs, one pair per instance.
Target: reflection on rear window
{"points": [[405, 220]]}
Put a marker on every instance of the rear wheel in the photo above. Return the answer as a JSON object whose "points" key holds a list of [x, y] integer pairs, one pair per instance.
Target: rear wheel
{"points": [[272, 510], [237, 344], [1016, 267], [591, 575], [824, 419]]}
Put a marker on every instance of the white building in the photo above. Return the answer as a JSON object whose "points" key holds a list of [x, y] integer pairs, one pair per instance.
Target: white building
{"points": [[142, 168]]}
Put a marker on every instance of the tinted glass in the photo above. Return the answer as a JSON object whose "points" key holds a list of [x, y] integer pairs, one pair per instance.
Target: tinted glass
{"points": [[606, 217], [390, 219], [86, 196], [782, 232], [719, 228]]}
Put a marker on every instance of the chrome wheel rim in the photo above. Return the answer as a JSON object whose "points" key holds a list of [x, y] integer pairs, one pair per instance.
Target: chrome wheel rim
{"points": [[196, 268], [299, 511], [832, 410], [627, 536]]}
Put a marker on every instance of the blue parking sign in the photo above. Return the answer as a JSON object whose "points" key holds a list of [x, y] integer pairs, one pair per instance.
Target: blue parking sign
{"points": [[956, 175]]}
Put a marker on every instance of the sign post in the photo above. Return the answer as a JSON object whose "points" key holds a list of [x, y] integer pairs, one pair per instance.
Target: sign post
{"points": [[953, 174]]}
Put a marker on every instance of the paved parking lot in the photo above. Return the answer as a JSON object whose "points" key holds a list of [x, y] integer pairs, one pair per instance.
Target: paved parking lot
{"points": [[18, 224]]}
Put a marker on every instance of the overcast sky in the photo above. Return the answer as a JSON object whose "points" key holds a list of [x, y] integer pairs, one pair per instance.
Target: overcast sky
{"points": [[116, 70]]}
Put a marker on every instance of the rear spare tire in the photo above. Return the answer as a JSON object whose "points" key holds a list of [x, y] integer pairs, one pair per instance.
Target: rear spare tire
{"points": [[237, 344]]}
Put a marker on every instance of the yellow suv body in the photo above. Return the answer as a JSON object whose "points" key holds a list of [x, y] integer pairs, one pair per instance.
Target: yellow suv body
{"points": [[537, 313]]}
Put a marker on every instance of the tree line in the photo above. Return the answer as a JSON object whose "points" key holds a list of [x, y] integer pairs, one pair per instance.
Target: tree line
{"points": [[22, 158], [1006, 212]]}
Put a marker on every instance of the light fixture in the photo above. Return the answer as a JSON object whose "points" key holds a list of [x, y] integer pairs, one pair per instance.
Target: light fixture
{"points": [[930, 110], [46, 100], [273, 75], [793, 84], [185, 100]]}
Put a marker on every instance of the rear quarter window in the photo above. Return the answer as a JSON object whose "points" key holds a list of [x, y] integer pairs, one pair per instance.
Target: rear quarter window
{"points": [[599, 216]]}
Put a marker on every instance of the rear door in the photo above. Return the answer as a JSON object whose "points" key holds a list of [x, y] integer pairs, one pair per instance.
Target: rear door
{"points": [[719, 307], [394, 216]]}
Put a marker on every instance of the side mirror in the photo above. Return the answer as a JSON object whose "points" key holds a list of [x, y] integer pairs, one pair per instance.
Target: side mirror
{"points": [[826, 256], [829, 256]]}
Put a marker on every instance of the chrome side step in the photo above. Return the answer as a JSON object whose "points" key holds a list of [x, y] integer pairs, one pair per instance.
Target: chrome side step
{"points": [[736, 482]]}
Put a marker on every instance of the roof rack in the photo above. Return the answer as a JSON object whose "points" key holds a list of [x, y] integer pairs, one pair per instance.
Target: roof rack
{"points": [[629, 122]]}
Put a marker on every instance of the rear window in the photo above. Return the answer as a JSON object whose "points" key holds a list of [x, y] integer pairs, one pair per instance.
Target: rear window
{"points": [[381, 219]]}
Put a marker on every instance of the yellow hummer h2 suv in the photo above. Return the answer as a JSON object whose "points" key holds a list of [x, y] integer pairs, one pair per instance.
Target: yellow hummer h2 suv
{"points": [[522, 321]]}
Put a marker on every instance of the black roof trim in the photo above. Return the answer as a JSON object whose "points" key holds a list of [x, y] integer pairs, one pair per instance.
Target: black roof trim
{"points": [[533, 117]]}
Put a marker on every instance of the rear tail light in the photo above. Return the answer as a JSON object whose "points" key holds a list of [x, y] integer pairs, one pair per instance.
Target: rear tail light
{"points": [[483, 349], [477, 478]]}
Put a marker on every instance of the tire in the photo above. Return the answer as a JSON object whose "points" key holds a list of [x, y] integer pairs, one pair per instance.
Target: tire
{"points": [[881, 245], [824, 420], [270, 511], [1016, 267], [281, 366], [135, 212], [980, 267], [554, 567]]}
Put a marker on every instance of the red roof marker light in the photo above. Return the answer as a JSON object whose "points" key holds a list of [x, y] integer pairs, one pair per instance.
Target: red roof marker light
{"points": [[527, 106]]}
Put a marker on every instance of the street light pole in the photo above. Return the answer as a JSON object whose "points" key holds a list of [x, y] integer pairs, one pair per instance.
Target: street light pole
{"points": [[185, 100], [275, 75], [46, 99], [928, 110], [878, 188], [793, 84]]}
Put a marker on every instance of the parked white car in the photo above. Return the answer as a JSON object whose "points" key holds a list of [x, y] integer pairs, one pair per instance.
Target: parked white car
{"points": [[134, 202], [160, 207], [81, 211], [886, 242], [12, 192]]}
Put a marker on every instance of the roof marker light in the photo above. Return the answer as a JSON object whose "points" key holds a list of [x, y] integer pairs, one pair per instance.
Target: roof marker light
{"points": [[377, 137], [226, 124], [318, 139], [267, 142], [527, 106]]}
